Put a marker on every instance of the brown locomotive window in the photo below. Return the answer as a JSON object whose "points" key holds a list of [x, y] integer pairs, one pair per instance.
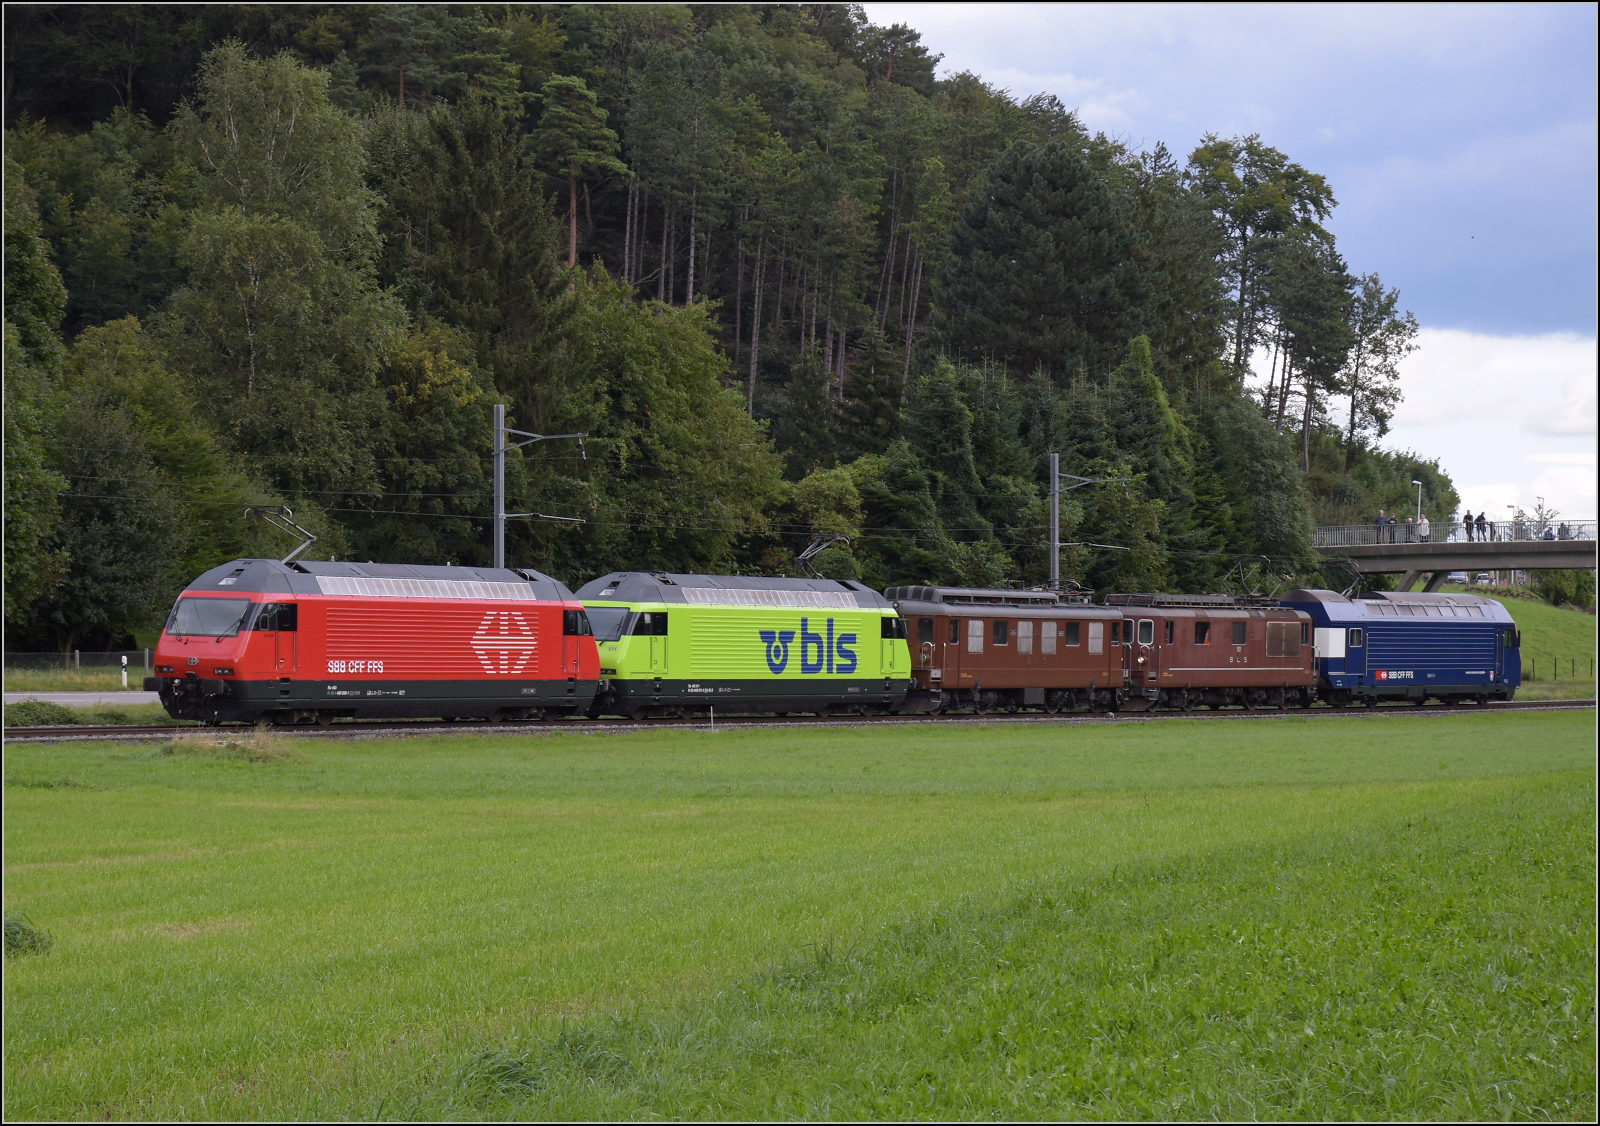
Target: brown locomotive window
{"points": [[1097, 634], [1002, 629], [1047, 638], [925, 631], [1169, 633], [1282, 639], [1024, 637], [1238, 633], [975, 635], [1202, 633], [1305, 633], [1070, 632], [955, 630], [1147, 631], [1115, 626]]}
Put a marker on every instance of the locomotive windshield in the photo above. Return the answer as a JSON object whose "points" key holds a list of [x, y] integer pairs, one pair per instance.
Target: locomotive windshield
{"points": [[607, 621], [207, 617]]}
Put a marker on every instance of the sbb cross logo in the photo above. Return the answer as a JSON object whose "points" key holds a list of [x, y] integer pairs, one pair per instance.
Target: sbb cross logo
{"points": [[818, 651], [1392, 674], [505, 633]]}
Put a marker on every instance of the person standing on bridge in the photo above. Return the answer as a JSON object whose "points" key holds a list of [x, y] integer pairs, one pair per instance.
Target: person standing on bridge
{"points": [[1466, 523], [1422, 529], [1380, 526], [1483, 529]]}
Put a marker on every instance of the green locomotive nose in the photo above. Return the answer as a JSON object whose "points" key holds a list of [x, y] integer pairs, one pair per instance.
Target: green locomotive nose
{"points": [[677, 644]]}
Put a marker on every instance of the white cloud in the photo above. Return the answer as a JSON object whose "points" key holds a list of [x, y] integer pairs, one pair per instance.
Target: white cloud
{"points": [[1542, 384]]}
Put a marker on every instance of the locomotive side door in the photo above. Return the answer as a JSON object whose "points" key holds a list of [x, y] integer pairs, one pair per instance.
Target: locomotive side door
{"points": [[658, 643], [1148, 655], [283, 619], [950, 647]]}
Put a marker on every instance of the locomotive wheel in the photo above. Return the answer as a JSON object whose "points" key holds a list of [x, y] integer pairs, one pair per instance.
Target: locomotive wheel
{"points": [[638, 713], [1249, 702], [1215, 707], [1188, 702], [1371, 701], [1052, 707]]}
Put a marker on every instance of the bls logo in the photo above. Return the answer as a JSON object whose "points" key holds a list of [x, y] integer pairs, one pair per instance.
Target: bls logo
{"points": [[831, 653]]}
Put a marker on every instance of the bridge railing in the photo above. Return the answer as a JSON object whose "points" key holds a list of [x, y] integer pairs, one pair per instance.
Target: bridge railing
{"points": [[1493, 531]]}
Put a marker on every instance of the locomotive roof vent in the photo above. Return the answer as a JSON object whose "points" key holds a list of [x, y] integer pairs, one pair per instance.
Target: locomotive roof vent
{"points": [[971, 596], [1160, 599]]}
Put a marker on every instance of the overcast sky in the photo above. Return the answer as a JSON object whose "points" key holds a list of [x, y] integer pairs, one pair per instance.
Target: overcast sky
{"points": [[1460, 143]]}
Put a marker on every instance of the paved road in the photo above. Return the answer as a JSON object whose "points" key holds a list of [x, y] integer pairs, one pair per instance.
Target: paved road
{"points": [[85, 699]]}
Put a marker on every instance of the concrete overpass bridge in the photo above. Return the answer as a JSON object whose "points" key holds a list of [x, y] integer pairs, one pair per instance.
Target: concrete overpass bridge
{"points": [[1506, 546]]}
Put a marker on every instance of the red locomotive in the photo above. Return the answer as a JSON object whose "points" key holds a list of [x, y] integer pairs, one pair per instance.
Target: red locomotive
{"points": [[1009, 649], [309, 642], [1189, 649]]}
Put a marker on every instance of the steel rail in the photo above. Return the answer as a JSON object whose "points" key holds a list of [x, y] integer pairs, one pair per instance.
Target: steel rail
{"points": [[376, 729]]}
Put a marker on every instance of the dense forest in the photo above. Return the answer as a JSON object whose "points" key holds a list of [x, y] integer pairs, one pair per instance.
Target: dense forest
{"points": [[787, 281]]}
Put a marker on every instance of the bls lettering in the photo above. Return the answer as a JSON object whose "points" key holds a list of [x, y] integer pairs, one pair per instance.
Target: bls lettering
{"points": [[819, 652]]}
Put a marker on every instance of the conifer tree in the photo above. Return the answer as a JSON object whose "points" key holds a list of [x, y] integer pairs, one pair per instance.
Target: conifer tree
{"points": [[574, 140], [1041, 272]]}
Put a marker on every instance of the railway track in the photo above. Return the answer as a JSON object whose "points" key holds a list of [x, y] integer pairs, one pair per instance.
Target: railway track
{"points": [[378, 729]]}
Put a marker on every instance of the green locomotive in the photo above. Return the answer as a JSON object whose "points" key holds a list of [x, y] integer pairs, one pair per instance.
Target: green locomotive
{"points": [[680, 644]]}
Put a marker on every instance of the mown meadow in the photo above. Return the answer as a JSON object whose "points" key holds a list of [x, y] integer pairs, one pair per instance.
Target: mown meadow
{"points": [[1385, 915]]}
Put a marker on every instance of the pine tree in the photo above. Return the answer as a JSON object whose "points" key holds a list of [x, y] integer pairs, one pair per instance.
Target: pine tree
{"points": [[574, 140]]}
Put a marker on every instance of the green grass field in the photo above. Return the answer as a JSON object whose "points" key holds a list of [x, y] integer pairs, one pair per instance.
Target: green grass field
{"points": [[1363, 916]]}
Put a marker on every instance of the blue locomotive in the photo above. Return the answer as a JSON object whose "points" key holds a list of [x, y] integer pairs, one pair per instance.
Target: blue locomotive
{"points": [[1401, 646]]}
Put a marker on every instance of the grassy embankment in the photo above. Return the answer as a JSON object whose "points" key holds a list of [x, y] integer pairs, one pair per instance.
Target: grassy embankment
{"points": [[1364, 916]]}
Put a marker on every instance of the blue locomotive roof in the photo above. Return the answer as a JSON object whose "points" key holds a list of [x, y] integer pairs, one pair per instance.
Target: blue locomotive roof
{"points": [[1329, 607]]}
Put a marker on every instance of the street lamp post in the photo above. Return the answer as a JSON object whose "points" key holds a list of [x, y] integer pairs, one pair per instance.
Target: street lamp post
{"points": [[1418, 484], [500, 448], [1056, 477]]}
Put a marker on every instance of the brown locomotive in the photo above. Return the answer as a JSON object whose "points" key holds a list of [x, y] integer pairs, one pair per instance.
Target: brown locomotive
{"points": [[1189, 649], [1010, 649], [1013, 649]]}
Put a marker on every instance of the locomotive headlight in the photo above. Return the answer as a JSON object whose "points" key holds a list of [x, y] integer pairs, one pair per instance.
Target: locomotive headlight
{"points": [[221, 672]]}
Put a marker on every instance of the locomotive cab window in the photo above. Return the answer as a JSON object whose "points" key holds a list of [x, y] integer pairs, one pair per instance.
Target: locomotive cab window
{"points": [[1355, 640], [955, 631], [925, 631], [651, 623], [975, 635], [283, 616], [575, 623], [1202, 633], [1169, 633], [1002, 631], [894, 629], [1115, 627], [1513, 638], [1238, 633], [1070, 633], [207, 617], [607, 621], [1024, 637], [1047, 637], [1305, 634], [1147, 631]]}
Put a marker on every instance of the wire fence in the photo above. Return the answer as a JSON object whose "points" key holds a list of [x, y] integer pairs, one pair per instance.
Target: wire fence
{"points": [[1490, 531], [1557, 668], [77, 660]]}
